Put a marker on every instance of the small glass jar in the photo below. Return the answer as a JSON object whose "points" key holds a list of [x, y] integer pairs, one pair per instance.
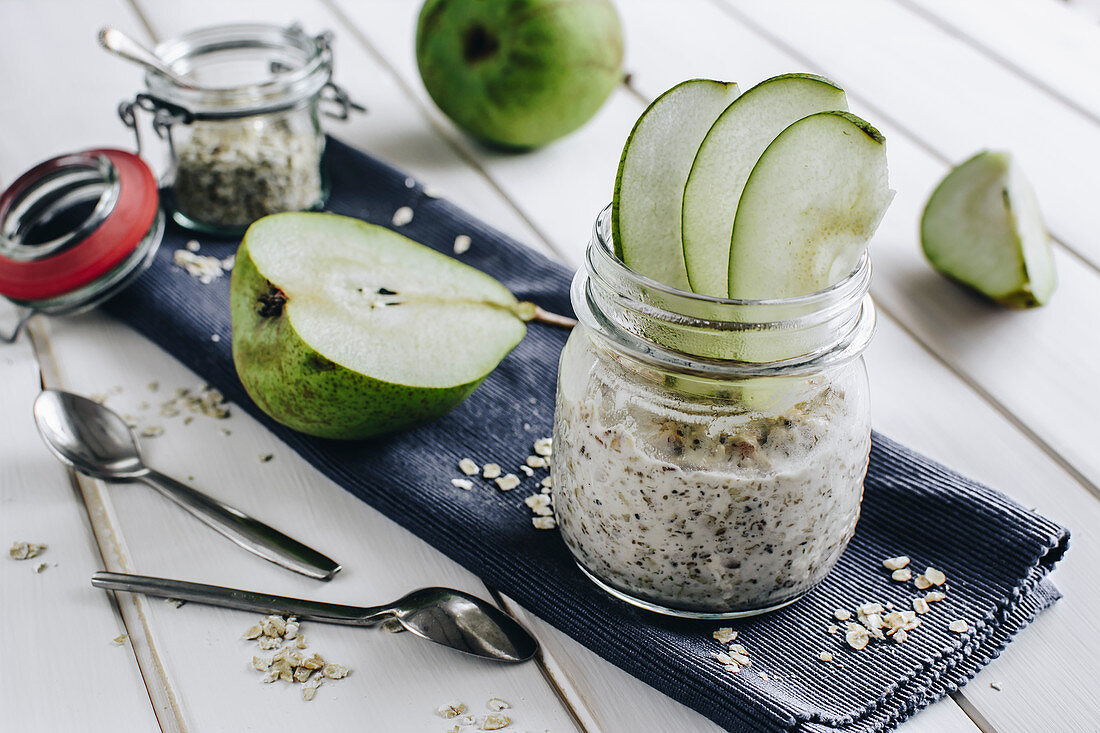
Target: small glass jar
{"points": [[246, 140], [709, 454]]}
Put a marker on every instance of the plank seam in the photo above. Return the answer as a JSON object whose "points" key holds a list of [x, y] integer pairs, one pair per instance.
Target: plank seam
{"points": [[988, 52], [739, 17], [445, 135], [1051, 453]]}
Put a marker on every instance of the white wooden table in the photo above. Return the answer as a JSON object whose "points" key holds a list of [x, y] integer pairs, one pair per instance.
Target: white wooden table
{"points": [[1011, 398]]}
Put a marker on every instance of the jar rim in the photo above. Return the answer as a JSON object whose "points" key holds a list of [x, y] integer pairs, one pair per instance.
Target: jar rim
{"points": [[689, 332], [312, 70]]}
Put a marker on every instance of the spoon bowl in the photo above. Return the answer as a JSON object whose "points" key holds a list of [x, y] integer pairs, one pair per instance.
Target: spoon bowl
{"points": [[464, 622], [87, 436]]}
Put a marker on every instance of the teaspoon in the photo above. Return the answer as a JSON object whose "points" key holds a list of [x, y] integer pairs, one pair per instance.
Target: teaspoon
{"points": [[97, 442], [120, 44], [446, 616]]}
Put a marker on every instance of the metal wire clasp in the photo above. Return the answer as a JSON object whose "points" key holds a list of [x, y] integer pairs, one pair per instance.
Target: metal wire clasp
{"points": [[164, 114]]}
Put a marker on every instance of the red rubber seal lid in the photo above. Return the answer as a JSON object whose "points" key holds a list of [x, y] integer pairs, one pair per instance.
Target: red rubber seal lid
{"points": [[102, 249]]}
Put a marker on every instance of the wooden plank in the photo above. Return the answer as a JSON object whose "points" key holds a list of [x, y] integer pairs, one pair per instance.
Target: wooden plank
{"points": [[950, 96], [55, 629], [397, 681], [1045, 41]]}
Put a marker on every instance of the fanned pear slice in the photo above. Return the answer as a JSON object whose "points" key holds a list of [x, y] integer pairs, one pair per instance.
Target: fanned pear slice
{"points": [[344, 329], [649, 187], [811, 204], [726, 158], [982, 227]]}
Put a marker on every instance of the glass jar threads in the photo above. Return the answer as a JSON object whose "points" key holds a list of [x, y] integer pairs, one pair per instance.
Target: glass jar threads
{"points": [[709, 454], [245, 140], [76, 229]]}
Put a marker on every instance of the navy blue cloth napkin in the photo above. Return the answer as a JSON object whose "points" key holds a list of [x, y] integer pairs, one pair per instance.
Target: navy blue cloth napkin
{"points": [[995, 553]]}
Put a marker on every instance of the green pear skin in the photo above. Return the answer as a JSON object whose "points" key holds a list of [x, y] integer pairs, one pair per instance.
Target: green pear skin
{"points": [[520, 73]]}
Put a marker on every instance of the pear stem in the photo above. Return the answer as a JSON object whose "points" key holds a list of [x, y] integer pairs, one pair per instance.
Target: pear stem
{"points": [[553, 319]]}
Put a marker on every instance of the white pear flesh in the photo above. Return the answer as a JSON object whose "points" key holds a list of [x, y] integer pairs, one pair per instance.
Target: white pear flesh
{"points": [[982, 227], [809, 208], [381, 305], [726, 158], [649, 186]]}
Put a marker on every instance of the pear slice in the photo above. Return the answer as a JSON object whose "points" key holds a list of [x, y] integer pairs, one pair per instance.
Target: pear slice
{"points": [[649, 187], [811, 204], [726, 158], [343, 329], [982, 227]]}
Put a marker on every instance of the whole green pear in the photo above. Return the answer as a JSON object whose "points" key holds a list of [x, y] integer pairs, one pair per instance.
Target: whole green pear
{"points": [[343, 329], [519, 73]]}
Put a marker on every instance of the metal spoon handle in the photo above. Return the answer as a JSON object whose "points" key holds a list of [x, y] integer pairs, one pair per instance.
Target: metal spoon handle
{"points": [[122, 45], [242, 600], [251, 534]]}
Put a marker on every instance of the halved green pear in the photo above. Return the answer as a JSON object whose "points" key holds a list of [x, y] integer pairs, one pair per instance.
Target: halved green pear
{"points": [[810, 205], [344, 329], [982, 227], [649, 187], [726, 158]]}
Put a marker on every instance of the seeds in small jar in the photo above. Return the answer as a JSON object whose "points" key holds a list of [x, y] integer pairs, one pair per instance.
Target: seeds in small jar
{"points": [[229, 174]]}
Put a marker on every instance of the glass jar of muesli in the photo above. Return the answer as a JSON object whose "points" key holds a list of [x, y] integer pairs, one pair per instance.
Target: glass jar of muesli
{"points": [[709, 454], [245, 140]]}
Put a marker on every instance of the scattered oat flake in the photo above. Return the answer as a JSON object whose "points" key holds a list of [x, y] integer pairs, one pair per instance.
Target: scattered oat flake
{"points": [[192, 246], [495, 721], [895, 563], [253, 632], [527, 471], [462, 483], [857, 636], [920, 605], [934, 596], [206, 269], [120, 639], [544, 447], [763, 675], [25, 550], [451, 710], [825, 657], [402, 216], [724, 635], [495, 704], [392, 626], [152, 431], [900, 636], [547, 483], [215, 337], [536, 461], [261, 664], [335, 671], [544, 523], [922, 582], [468, 467], [507, 482], [958, 626], [841, 614], [462, 244], [904, 575], [832, 628], [935, 577], [490, 470], [40, 567], [266, 457]]}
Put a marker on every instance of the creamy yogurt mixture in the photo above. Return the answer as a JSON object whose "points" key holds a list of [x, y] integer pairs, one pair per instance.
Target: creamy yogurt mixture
{"points": [[707, 505]]}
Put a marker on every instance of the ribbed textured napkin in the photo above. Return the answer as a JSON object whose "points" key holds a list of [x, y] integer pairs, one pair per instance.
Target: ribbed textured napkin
{"points": [[995, 553]]}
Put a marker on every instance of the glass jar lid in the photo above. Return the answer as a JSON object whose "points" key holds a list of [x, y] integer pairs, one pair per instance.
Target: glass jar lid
{"points": [[76, 226], [243, 69]]}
